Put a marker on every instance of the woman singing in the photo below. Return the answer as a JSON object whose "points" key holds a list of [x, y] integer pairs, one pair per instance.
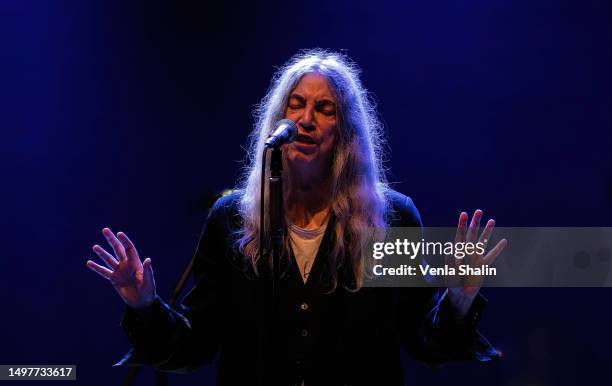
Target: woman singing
{"points": [[333, 330]]}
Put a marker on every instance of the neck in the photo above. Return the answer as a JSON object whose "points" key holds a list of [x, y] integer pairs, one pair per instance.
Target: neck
{"points": [[308, 202]]}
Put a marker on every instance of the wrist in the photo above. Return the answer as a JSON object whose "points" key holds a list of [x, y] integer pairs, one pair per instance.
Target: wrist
{"points": [[461, 300], [144, 309]]}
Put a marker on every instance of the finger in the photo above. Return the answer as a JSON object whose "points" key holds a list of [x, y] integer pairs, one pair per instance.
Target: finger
{"points": [[148, 278], [461, 227], [451, 261], [491, 256], [472, 231], [109, 259], [486, 234], [104, 272], [115, 244], [128, 246]]}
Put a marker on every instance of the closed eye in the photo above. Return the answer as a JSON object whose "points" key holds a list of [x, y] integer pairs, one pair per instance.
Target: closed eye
{"points": [[326, 107], [296, 102]]}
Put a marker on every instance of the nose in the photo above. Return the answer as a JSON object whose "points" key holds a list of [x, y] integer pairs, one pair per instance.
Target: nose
{"points": [[306, 121]]}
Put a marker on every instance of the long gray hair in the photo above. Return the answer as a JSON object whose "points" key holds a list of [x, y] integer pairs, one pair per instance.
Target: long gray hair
{"points": [[358, 182]]}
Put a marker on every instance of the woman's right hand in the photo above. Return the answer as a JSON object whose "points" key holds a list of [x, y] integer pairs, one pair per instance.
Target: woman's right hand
{"points": [[132, 278]]}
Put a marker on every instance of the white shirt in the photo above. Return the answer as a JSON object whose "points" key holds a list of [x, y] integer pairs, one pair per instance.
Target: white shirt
{"points": [[305, 244]]}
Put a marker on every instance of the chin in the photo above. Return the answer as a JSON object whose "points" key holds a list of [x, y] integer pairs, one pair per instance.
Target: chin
{"points": [[298, 158], [295, 153], [303, 159]]}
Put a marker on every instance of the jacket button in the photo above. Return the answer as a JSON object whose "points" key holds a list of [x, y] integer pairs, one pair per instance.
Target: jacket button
{"points": [[304, 306], [304, 333]]}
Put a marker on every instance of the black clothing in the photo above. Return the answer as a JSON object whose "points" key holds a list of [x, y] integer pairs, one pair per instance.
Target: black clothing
{"points": [[337, 338]]}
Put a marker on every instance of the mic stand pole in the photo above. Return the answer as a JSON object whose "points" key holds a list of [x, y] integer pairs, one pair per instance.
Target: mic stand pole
{"points": [[275, 221], [276, 238], [276, 232]]}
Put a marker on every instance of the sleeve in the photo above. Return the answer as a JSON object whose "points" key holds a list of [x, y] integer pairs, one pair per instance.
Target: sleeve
{"points": [[435, 336], [429, 330], [186, 338]]}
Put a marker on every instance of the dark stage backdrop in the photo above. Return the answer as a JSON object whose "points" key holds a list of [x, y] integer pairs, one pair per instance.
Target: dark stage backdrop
{"points": [[133, 115]]}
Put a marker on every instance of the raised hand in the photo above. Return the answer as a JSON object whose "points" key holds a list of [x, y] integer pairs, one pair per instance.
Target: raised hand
{"points": [[469, 285], [132, 279]]}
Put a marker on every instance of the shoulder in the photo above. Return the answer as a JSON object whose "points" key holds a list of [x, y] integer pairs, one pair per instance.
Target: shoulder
{"points": [[217, 235], [403, 212], [225, 211], [228, 201]]}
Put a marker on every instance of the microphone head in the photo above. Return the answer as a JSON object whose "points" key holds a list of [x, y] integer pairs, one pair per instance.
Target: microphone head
{"points": [[292, 129], [285, 132]]}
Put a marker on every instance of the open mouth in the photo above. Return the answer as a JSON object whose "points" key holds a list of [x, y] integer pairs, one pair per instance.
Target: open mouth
{"points": [[305, 139]]}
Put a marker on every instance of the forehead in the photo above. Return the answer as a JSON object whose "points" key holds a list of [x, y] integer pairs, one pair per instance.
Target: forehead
{"points": [[314, 85]]}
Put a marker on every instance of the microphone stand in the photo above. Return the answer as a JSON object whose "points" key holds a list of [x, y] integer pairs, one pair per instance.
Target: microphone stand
{"points": [[275, 221]]}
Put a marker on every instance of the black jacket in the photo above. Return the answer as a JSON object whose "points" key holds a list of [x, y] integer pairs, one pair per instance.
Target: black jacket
{"points": [[337, 338]]}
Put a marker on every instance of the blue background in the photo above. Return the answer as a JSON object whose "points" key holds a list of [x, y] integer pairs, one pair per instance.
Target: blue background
{"points": [[133, 115]]}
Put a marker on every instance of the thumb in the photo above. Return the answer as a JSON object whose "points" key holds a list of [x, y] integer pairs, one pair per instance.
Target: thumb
{"points": [[147, 272]]}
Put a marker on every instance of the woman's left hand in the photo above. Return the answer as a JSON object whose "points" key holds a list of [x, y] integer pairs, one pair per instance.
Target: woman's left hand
{"points": [[462, 289]]}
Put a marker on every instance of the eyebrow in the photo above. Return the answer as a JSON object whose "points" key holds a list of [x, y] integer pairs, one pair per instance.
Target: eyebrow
{"points": [[298, 97], [323, 101]]}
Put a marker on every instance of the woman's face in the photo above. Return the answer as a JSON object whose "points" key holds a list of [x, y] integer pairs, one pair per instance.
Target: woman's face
{"points": [[312, 106]]}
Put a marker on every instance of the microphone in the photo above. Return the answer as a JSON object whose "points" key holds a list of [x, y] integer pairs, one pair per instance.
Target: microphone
{"points": [[285, 132]]}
